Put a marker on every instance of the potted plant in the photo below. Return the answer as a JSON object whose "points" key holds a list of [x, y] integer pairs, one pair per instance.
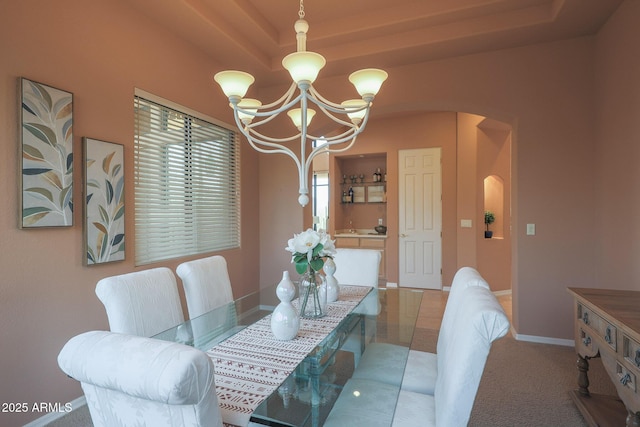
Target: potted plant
{"points": [[489, 218]]}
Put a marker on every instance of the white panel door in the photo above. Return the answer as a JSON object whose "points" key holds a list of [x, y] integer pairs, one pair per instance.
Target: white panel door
{"points": [[420, 218]]}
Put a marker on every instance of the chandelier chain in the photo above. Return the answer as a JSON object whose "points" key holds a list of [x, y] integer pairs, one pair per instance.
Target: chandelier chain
{"points": [[301, 11]]}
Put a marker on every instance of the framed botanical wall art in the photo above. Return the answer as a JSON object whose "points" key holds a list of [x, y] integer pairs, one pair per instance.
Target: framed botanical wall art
{"points": [[104, 201], [46, 139]]}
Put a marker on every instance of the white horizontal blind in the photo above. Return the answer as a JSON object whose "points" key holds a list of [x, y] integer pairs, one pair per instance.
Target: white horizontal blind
{"points": [[187, 184]]}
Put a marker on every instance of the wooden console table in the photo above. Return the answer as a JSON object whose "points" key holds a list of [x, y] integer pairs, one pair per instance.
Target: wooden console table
{"points": [[607, 325]]}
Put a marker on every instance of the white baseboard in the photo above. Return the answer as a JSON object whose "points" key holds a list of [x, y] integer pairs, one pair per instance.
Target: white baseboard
{"points": [[542, 340], [392, 285], [53, 416], [496, 293]]}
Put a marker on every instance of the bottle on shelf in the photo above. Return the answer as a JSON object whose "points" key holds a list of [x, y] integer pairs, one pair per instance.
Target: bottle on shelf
{"points": [[378, 175], [350, 198], [344, 197]]}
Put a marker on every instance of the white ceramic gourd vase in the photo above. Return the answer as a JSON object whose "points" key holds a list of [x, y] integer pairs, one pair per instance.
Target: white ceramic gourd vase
{"points": [[333, 289], [285, 321]]}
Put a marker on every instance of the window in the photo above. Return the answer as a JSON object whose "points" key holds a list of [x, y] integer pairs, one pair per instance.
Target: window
{"points": [[187, 182], [320, 200], [320, 187]]}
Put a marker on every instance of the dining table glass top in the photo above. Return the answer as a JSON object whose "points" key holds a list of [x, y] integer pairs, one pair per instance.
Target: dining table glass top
{"points": [[305, 395]]}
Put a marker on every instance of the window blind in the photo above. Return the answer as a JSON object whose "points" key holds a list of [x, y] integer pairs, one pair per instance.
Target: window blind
{"points": [[186, 184]]}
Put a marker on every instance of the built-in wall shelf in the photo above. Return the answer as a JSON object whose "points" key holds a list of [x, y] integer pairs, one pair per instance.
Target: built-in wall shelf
{"points": [[364, 192]]}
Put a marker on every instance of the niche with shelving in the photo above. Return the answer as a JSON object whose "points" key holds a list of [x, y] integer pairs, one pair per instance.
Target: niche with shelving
{"points": [[369, 204], [494, 202]]}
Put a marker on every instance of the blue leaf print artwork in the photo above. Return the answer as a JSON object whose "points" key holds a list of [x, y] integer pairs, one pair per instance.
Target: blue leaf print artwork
{"points": [[47, 156], [104, 218]]}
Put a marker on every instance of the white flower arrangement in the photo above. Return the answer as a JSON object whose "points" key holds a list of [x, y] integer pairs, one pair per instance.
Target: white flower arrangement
{"points": [[310, 248]]}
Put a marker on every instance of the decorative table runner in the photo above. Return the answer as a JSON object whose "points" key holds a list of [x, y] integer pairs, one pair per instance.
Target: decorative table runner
{"points": [[251, 364]]}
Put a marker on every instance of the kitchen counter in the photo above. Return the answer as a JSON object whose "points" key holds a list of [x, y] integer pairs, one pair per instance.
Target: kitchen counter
{"points": [[360, 233]]}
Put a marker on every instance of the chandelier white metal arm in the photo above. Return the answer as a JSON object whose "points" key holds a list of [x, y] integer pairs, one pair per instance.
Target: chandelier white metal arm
{"points": [[303, 66]]}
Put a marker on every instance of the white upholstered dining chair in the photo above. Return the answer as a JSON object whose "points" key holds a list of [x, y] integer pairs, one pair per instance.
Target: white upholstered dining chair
{"points": [[206, 284], [138, 381], [421, 368], [473, 331], [142, 303], [359, 267]]}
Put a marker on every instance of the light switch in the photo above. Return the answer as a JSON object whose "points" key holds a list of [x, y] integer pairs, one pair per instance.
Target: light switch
{"points": [[465, 223], [531, 229]]}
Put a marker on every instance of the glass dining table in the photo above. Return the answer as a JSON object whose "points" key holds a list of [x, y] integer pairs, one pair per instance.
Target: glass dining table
{"points": [[305, 393]]}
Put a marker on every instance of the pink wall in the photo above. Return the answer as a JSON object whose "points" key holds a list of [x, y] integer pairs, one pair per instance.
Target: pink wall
{"points": [[467, 191], [99, 51], [617, 131], [494, 159]]}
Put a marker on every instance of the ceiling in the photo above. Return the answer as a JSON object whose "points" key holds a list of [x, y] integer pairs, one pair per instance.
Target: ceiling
{"points": [[254, 35]]}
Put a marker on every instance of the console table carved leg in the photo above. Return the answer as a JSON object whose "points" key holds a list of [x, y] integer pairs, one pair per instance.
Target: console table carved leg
{"points": [[583, 375]]}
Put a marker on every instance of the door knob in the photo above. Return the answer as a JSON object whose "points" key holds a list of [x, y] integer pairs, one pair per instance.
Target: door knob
{"points": [[404, 235]]}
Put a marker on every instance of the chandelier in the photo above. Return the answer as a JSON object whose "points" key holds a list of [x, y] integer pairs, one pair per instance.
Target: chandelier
{"points": [[303, 66]]}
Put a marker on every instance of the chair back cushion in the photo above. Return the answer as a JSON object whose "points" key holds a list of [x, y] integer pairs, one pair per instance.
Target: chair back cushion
{"points": [[132, 380], [479, 322], [142, 303], [206, 284], [464, 278], [358, 267]]}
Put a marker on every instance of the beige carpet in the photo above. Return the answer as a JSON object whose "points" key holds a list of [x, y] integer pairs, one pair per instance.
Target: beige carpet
{"points": [[528, 384]]}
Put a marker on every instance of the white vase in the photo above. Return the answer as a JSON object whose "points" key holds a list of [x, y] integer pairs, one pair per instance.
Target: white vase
{"points": [[333, 289], [285, 321]]}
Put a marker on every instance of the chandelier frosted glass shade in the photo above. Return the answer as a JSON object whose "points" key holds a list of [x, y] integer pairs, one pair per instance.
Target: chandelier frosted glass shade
{"points": [[249, 105], [368, 81], [234, 83], [303, 66], [356, 109], [349, 117], [295, 115]]}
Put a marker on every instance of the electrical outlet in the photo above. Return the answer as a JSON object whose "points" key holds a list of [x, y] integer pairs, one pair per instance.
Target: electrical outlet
{"points": [[531, 229], [379, 221]]}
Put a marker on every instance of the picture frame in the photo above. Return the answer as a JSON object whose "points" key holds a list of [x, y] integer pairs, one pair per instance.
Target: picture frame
{"points": [[375, 194], [104, 202], [46, 150]]}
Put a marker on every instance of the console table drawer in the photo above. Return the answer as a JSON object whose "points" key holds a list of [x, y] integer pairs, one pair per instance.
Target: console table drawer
{"points": [[601, 328], [586, 341], [626, 377], [631, 352]]}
